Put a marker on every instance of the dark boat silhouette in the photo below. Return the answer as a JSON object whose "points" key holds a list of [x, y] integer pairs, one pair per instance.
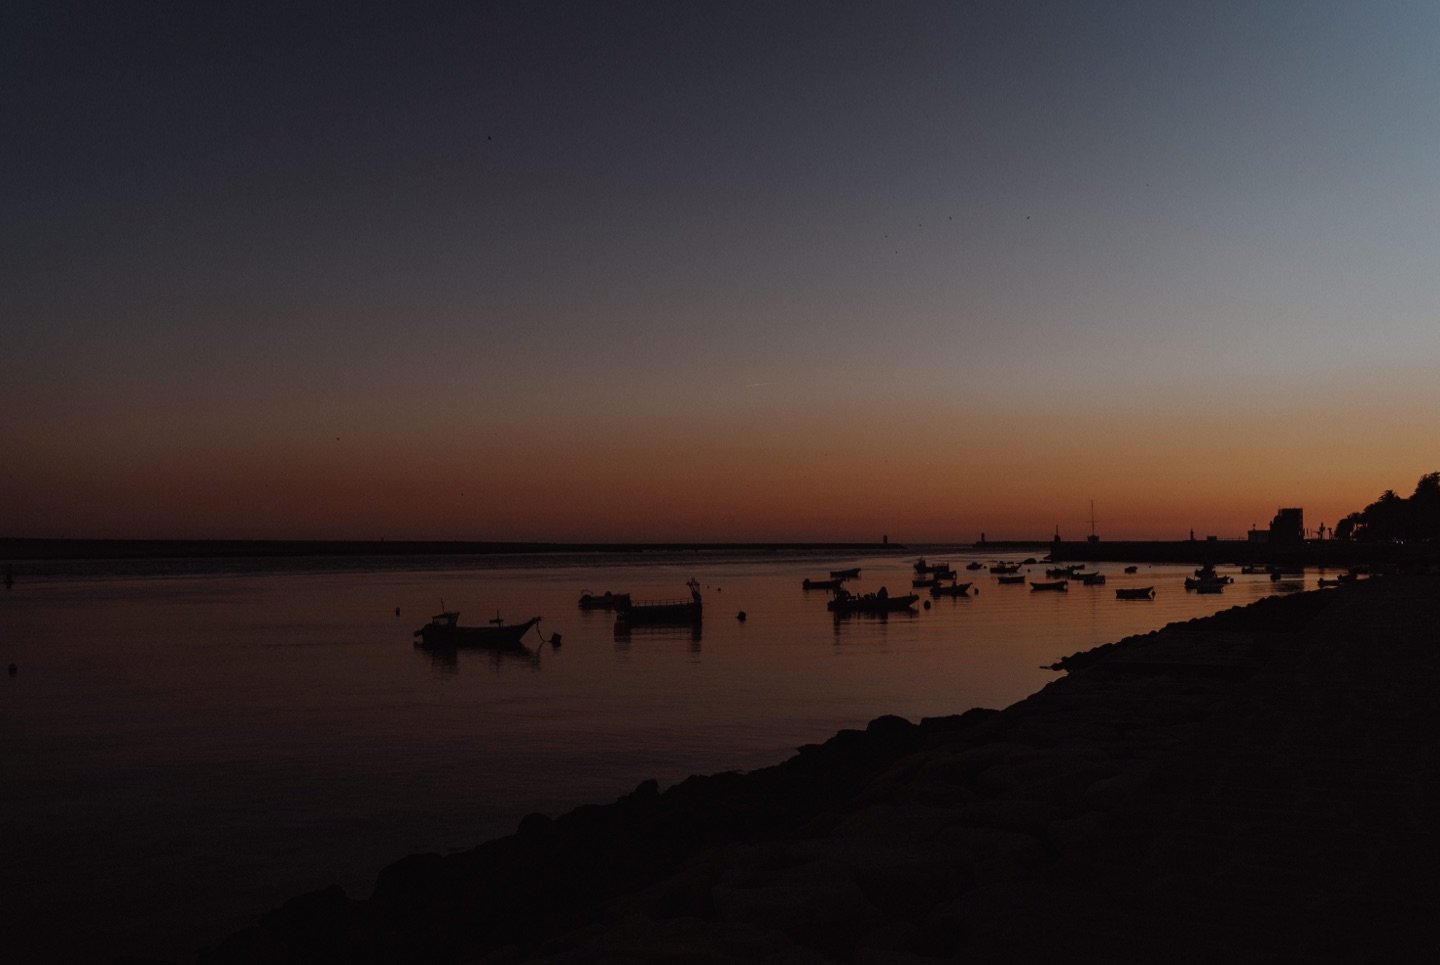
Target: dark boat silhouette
{"points": [[444, 630], [850, 574], [833, 583], [1135, 593], [662, 612], [880, 602], [603, 601], [955, 589], [1052, 585]]}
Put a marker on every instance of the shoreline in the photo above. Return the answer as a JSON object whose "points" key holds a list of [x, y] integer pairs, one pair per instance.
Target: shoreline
{"points": [[954, 836]]}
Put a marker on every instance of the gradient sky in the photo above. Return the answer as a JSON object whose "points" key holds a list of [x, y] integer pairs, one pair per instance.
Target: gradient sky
{"points": [[721, 271]]}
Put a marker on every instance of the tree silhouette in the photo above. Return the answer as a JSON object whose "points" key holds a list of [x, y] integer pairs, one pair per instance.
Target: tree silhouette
{"points": [[1395, 518]]}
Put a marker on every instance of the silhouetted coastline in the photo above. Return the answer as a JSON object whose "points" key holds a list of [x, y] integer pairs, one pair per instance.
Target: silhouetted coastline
{"points": [[1221, 788]]}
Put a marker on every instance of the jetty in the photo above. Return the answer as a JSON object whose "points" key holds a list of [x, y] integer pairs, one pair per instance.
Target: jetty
{"points": [[1258, 785]]}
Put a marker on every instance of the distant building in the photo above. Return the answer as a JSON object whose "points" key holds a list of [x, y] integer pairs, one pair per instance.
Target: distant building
{"points": [[1288, 526]]}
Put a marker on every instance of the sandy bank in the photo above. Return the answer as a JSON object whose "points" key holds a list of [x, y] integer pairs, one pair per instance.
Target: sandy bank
{"points": [[1256, 785]]}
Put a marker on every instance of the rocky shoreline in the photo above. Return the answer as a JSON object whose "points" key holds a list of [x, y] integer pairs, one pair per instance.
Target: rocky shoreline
{"points": [[1255, 785]]}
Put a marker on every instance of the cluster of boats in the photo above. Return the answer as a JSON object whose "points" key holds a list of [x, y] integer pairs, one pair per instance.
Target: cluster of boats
{"points": [[444, 630]]}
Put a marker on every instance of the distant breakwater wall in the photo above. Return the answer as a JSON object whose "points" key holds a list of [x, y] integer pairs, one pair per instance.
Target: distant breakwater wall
{"points": [[20, 548], [1326, 553]]}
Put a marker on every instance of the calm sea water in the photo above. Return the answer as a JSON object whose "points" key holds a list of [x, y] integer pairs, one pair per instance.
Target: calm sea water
{"points": [[188, 744]]}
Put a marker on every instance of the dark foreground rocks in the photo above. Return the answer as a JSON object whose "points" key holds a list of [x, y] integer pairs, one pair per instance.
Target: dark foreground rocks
{"points": [[1262, 785]]}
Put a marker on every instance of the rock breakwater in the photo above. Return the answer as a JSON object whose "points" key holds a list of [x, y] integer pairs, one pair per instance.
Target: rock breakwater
{"points": [[1236, 786]]}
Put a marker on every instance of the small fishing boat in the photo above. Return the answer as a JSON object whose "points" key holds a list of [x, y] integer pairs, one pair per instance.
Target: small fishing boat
{"points": [[1011, 580], [1004, 569], [1207, 574], [831, 584], [1132, 569], [1135, 593], [444, 630], [1091, 579], [974, 565], [1059, 572], [850, 574], [881, 602], [922, 567], [603, 601], [1323, 582], [925, 583], [1052, 585], [954, 589], [1209, 586], [944, 573], [668, 612]]}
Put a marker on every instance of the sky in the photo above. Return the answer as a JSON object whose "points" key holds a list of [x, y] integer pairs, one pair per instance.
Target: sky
{"points": [[714, 271]]}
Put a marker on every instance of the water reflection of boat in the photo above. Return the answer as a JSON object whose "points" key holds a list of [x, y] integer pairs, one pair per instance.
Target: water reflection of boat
{"points": [[444, 630], [446, 660], [662, 612], [1135, 593], [625, 634], [880, 602], [1091, 579], [603, 601]]}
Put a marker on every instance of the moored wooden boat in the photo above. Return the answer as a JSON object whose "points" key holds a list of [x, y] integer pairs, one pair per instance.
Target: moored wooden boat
{"points": [[603, 601], [1132, 569], [954, 589], [922, 567], [881, 602], [974, 565], [1051, 585], [1004, 569], [1011, 579], [656, 612], [925, 583], [1135, 593], [850, 574], [444, 630], [831, 584]]}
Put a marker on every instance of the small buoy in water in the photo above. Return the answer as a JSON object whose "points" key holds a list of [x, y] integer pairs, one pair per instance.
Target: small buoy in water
{"points": [[14, 670], [927, 604], [554, 639], [397, 611], [740, 616]]}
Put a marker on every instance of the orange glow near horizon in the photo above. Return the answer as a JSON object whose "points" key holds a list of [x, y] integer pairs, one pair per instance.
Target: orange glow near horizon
{"points": [[1011, 473]]}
